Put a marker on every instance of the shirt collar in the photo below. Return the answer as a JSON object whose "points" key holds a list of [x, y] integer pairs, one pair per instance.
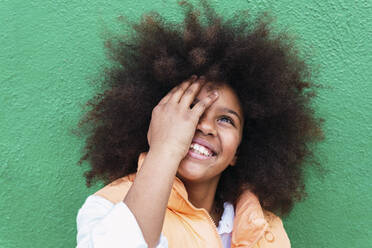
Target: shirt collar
{"points": [[227, 219]]}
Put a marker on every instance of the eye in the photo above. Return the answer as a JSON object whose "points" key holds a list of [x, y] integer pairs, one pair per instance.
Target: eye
{"points": [[227, 119]]}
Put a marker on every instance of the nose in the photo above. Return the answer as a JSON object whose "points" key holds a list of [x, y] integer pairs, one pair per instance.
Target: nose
{"points": [[206, 125]]}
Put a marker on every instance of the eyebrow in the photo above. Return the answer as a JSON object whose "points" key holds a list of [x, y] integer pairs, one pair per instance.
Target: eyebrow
{"points": [[224, 109]]}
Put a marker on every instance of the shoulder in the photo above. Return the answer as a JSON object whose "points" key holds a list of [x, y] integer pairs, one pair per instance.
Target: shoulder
{"points": [[116, 191], [256, 226], [275, 234]]}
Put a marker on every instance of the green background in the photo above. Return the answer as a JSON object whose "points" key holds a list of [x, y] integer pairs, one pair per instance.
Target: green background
{"points": [[52, 50]]}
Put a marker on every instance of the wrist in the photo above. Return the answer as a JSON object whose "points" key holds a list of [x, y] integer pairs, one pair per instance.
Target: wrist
{"points": [[166, 154]]}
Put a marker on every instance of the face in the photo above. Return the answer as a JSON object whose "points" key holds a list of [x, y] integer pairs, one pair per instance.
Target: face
{"points": [[219, 131]]}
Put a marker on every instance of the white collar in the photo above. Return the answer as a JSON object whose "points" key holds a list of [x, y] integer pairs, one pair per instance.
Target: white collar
{"points": [[227, 220]]}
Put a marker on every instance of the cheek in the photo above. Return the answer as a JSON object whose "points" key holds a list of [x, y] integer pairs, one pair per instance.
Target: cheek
{"points": [[230, 144]]}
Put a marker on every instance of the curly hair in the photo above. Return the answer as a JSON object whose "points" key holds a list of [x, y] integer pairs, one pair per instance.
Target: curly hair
{"points": [[273, 84]]}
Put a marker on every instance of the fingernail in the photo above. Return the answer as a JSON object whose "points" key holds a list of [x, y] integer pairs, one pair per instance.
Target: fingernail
{"points": [[193, 77]]}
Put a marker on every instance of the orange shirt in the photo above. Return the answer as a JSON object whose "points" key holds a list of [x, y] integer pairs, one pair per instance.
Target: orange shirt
{"points": [[186, 226]]}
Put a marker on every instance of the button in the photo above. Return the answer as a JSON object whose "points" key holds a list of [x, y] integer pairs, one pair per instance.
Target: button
{"points": [[269, 236]]}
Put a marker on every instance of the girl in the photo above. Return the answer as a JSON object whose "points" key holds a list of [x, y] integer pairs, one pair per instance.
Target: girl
{"points": [[206, 162]]}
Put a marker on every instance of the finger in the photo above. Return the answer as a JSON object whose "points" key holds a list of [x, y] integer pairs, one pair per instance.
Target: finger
{"points": [[176, 96], [189, 95], [166, 98], [202, 105]]}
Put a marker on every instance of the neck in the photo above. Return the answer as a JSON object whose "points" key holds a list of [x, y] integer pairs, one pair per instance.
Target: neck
{"points": [[201, 195]]}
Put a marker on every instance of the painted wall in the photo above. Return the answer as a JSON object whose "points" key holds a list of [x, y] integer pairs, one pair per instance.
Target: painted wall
{"points": [[51, 50]]}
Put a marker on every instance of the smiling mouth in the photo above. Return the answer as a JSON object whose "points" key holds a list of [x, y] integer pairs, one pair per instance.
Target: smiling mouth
{"points": [[200, 152]]}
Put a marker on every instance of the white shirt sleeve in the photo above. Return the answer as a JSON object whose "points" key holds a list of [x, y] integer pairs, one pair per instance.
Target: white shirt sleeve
{"points": [[100, 224]]}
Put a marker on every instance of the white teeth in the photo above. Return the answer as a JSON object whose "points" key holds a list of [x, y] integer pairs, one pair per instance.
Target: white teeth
{"points": [[201, 149]]}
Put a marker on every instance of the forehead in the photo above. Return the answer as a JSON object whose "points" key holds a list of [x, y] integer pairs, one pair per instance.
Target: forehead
{"points": [[227, 98]]}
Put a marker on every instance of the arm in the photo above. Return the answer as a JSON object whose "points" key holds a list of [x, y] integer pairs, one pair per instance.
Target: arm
{"points": [[100, 224], [148, 206]]}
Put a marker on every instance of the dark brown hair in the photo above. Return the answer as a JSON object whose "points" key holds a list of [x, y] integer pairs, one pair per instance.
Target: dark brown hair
{"points": [[263, 67]]}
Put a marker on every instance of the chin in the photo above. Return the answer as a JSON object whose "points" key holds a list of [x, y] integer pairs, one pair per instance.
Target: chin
{"points": [[190, 171]]}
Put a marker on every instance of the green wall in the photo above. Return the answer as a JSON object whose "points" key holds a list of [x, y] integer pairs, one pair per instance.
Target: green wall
{"points": [[51, 50]]}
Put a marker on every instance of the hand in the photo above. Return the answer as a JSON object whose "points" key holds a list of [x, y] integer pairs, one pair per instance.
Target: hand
{"points": [[173, 122]]}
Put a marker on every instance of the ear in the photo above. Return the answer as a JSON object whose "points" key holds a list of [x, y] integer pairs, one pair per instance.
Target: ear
{"points": [[233, 161]]}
